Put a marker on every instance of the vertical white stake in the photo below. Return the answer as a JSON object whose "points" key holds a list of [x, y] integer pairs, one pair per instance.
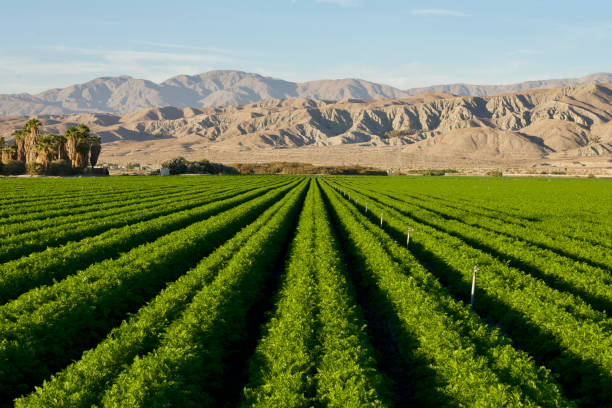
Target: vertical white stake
{"points": [[408, 237], [476, 269], [381, 217], [366, 211]]}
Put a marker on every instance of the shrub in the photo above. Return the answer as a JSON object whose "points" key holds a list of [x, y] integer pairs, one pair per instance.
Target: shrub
{"points": [[303, 168], [400, 133], [60, 168], [432, 173], [495, 173], [13, 167], [35, 169], [132, 166], [178, 165]]}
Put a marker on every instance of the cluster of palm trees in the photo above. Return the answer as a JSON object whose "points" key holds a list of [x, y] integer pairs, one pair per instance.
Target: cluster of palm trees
{"points": [[77, 146]]}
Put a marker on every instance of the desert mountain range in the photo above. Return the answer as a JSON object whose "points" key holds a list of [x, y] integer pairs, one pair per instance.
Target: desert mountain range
{"points": [[125, 94], [564, 122]]}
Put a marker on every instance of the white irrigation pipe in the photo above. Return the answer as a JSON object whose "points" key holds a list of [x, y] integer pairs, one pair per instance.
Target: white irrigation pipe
{"points": [[476, 269]]}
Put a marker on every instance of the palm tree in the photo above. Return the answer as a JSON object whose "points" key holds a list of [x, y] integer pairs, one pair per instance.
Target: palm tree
{"points": [[19, 136], [72, 140], [2, 141], [46, 148], [60, 143], [78, 145], [9, 153], [31, 128], [95, 149], [33, 125]]}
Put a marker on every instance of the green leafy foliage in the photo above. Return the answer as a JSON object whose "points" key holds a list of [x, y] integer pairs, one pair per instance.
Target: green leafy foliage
{"points": [[289, 291]]}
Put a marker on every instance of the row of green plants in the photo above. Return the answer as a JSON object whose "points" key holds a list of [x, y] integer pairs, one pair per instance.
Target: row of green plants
{"points": [[557, 328], [315, 351], [40, 268], [591, 283], [124, 203], [189, 365], [24, 192], [389, 206], [45, 193], [40, 219], [456, 358], [523, 230], [83, 383], [570, 208], [90, 200], [526, 231], [45, 153], [47, 327], [16, 245]]}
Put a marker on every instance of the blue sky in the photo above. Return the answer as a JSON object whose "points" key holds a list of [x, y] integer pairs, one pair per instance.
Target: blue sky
{"points": [[48, 44]]}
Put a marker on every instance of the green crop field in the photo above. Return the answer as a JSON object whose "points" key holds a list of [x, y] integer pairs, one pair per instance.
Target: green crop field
{"points": [[290, 291]]}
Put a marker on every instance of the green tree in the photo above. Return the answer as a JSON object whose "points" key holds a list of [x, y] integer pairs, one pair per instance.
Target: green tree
{"points": [[95, 149], [78, 145], [19, 136], [31, 129], [47, 149], [9, 153]]}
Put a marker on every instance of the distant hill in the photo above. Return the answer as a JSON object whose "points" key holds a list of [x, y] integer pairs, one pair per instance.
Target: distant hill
{"points": [[125, 94], [559, 122], [483, 90]]}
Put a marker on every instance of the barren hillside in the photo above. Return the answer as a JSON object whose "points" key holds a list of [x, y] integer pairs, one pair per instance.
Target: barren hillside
{"points": [[541, 124], [125, 94]]}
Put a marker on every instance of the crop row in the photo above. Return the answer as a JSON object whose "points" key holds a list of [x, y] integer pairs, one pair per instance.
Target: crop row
{"points": [[79, 199], [565, 208], [48, 326], [83, 383], [57, 208], [18, 245], [557, 328], [528, 232], [38, 191], [456, 358], [315, 351], [591, 283], [191, 364], [41, 268], [30, 222]]}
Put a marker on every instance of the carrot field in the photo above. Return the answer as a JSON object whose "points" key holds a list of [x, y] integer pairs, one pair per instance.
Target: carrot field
{"points": [[292, 291]]}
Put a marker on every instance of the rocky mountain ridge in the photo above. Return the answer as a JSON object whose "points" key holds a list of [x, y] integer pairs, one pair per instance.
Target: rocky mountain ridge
{"points": [[125, 94], [568, 121], [462, 89]]}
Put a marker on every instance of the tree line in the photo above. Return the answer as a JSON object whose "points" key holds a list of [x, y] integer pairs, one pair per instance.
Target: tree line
{"points": [[36, 152]]}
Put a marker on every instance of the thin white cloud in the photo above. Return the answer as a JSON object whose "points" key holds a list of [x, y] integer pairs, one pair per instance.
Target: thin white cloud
{"points": [[184, 47], [86, 63], [343, 3], [526, 51], [127, 56], [439, 12]]}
